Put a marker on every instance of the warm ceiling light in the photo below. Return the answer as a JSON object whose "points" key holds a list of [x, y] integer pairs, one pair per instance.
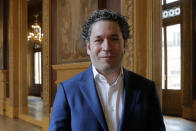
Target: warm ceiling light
{"points": [[36, 34]]}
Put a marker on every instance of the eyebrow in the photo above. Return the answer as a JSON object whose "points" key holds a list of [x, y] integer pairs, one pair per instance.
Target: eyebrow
{"points": [[113, 35]]}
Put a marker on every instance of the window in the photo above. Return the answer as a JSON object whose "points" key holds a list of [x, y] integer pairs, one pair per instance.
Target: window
{"points": [[170, 1], [175, 11], [173, 56], [37, 65], [163, 60], [171, 45]]}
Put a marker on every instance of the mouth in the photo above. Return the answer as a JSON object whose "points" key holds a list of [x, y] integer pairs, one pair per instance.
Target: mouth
{"points": [[107, 58]]}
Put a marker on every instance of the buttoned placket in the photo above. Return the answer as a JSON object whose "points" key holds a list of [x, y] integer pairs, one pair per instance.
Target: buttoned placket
{"points": [[114, 92], [109, 98]]}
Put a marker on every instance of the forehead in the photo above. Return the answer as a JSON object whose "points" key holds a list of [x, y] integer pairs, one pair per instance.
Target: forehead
{"points": [[104, 27]]}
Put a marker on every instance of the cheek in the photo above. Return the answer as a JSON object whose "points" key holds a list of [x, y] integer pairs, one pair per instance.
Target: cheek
{"points": [[91, 49], [95, 50], [118, 48]]}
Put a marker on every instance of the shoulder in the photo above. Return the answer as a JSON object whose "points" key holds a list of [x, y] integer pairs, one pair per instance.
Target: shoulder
{"points": [[144, 86], [137, 79], [138, 83]]}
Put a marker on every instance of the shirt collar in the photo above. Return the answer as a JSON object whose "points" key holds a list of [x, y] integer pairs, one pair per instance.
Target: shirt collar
{"points": [[96, 74]]}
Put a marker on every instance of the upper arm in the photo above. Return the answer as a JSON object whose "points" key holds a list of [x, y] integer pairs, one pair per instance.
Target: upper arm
{"points": [[60, 117]]}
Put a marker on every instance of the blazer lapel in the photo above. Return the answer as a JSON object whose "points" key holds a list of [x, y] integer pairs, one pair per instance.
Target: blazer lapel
{"points": [[130, 98], [89, 91]]}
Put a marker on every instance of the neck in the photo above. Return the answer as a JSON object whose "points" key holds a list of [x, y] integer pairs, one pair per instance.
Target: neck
{"points": [[111, 76]]}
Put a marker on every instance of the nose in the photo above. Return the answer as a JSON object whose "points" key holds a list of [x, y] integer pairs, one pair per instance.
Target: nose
{"points": [[106, 45]]}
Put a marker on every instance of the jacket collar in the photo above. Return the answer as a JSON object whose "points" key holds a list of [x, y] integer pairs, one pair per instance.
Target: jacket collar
{"points": [[131, 96], [90, 93]]}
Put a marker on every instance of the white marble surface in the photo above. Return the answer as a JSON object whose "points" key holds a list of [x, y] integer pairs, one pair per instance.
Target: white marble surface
{"points": [[35, 105], [179, 124]]}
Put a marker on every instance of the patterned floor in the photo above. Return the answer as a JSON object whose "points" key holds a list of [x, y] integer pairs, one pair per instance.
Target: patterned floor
{"points": [[172, 124], [7, 124], [179, 124]]}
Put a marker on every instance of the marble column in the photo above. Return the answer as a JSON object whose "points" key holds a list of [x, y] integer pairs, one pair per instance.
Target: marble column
{"points": [[23, 88], [13, 40]]}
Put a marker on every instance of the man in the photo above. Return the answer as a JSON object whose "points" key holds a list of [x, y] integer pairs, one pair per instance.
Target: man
{"points": [[106, 96]]}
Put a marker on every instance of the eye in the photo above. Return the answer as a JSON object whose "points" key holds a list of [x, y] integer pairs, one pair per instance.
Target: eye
{"points": [[114, 38], [98, 40]]}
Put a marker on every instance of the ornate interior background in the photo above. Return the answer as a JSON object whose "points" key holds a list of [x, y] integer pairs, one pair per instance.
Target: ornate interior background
{"points": [[127, 10], [71, 15]]}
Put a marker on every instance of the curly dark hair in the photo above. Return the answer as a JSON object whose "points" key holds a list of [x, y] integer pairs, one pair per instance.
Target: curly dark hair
{"points": [[105, 15]]}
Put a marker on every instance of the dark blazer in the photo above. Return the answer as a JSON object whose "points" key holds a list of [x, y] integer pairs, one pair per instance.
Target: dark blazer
{"points": [[77, 106]]}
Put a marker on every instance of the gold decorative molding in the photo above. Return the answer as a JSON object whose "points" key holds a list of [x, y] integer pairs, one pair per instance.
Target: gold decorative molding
{"points": [[3, 80], [66, 71], [187, 54], [149, 34], [156, 67], [9, 109], [22, 63], [2, 34], [70, 66], [46, 50], [13, 60], [127, 10], [3, 75], [46, 47]]}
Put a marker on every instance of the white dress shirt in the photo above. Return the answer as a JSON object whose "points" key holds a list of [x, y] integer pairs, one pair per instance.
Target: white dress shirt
{"points": [[111, 98]]}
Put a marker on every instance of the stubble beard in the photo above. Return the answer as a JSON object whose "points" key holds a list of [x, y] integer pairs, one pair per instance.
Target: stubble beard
{"points": [[106, 67]]}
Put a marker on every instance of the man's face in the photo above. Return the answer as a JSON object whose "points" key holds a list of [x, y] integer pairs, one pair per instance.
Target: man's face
{"points": [[106, 46]]}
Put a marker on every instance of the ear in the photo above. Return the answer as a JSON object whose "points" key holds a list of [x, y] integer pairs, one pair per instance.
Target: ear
{"points": [[87, 47]]}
